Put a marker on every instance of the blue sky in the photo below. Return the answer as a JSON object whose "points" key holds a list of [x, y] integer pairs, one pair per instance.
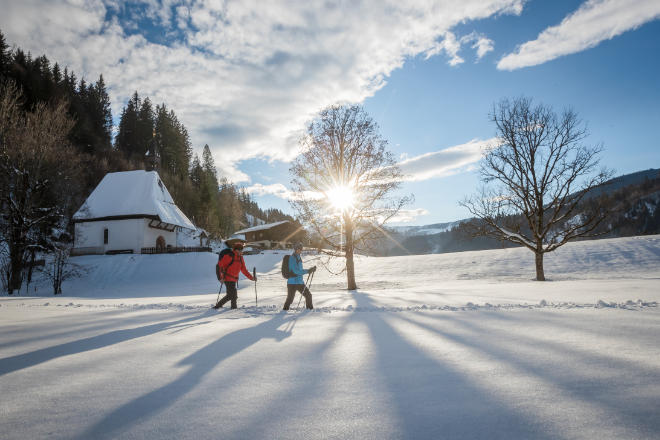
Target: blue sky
{"points": [[245, 76]]}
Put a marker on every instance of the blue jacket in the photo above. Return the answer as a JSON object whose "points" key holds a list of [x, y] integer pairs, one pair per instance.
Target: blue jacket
{"points": [[295, 266]]}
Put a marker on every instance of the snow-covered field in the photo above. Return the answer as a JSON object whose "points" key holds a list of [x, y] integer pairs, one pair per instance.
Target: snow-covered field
{"points": [[458, 345]]}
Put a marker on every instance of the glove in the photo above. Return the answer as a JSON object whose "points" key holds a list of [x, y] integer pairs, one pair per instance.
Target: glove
{"points": [[254, 278], [312, 269]]}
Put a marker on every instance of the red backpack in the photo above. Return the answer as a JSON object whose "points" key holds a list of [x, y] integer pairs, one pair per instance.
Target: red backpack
{"points": [[226, 251]]}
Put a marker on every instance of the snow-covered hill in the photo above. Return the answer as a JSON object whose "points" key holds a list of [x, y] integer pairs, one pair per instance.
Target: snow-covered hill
{"points": [[411, 231], [457, 346], [191, 275]]}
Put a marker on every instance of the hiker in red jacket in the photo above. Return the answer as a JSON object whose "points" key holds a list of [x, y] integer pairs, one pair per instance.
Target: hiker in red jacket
{"points": [[230, 265]]}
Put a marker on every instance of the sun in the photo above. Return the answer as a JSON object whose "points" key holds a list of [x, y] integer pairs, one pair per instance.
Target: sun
{"points": [[340, 197]]}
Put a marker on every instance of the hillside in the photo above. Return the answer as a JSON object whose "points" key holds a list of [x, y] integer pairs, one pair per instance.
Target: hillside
{"points": [[633, 199]]}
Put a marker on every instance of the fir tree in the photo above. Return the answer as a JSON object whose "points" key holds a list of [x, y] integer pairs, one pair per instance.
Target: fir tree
{"points": [[126, 136], [208, 164], [196, 173], [102, 113], [57, 74], [144, 128], [5, 56]]}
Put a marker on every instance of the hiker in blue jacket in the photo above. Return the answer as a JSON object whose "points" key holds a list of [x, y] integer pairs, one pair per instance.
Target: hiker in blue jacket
{"points": [[296, 284]]}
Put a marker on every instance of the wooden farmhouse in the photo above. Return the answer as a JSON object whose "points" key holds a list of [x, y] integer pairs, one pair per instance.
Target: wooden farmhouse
{"points": [[273, 235], [130, 212]]}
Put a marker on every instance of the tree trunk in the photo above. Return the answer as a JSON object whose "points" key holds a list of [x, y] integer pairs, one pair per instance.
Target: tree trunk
{"points": [[350, 265], [540, 276], [30, 269], [16, 252]]}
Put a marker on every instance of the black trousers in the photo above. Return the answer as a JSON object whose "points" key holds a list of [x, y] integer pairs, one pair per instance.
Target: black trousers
{"points": [[232, 295], [291, 293]]}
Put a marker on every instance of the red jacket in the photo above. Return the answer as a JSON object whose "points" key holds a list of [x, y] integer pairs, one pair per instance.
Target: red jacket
{"points": [[231, 269]]}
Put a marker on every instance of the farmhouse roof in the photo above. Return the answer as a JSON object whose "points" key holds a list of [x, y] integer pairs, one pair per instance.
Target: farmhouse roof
{"points": [[132, 194], [261, 227]]}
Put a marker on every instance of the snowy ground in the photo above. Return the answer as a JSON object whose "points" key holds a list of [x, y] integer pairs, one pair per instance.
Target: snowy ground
{"points": [[437, 346]]}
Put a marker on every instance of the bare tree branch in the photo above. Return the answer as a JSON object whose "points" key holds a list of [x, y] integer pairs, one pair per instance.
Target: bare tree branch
{"points": [[343, 149], [539, 174]]}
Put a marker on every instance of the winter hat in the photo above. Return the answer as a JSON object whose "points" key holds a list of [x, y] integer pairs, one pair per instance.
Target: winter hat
{"points": [[231, 241], [297, 246]]}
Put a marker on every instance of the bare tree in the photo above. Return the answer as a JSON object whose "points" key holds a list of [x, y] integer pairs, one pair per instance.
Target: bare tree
{"points": [[344, 180], [535, 179], [60, 268], [37, 165]]}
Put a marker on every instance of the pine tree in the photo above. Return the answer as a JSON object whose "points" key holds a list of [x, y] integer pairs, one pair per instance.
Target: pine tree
{"points": [[5, 56], [208, 164], [196, 173], [145, 128], [126, 136], [71, 84], [175, 147], [102, 113], [57, 74]]}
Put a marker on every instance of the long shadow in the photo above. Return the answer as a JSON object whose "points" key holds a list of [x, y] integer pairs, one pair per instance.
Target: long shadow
{"points": [[201, 363], [26, 360], [45, 331], [432, 400], [580, 382], [295, 399]]}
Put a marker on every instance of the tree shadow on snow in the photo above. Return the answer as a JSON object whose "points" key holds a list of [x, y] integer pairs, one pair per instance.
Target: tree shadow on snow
{"points": [[26, 360], [574, 372], [433, 400], [200, 364]]}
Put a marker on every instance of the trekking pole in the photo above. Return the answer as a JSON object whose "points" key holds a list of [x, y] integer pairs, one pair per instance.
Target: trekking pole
{"points": [[301, 295], [306, 284], [309, 282], [254, 275], [219, 291]]}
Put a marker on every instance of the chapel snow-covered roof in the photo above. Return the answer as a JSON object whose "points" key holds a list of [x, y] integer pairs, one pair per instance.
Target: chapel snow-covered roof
{"points": [[261, 227], [132, 193]]}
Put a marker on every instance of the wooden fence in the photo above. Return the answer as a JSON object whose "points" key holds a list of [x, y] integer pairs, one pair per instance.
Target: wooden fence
{"points": [[173, 250]]}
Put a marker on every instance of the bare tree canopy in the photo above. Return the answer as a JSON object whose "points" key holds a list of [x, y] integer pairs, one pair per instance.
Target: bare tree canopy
{"points": [[535, 179], [37, 166], [344, 180]]}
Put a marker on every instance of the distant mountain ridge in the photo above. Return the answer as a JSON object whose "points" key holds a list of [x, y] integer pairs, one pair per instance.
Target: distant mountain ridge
{"points": [[435, 228], [626, 180], [635, 200]]}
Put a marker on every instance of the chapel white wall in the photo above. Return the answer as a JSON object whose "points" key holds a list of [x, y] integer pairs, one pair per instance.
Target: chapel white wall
{"points": [[122, 235]]}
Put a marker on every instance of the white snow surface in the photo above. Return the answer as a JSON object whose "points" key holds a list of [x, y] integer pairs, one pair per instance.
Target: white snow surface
{"points": [[136, 192], [455, 346], [262, 227]]}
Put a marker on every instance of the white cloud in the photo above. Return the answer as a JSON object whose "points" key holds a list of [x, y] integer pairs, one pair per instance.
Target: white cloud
{"points": [[408, 215], [247, 75], [450, 45], [276, 189], [481, 43], [445, 162], [281, 191], [593, 22]]}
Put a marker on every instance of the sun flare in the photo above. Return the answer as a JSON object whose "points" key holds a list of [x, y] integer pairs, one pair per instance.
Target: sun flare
{"points": [[340, 197]]}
